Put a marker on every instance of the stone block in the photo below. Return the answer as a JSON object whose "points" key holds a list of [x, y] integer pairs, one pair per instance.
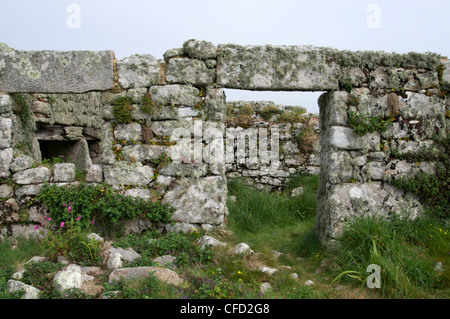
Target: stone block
{"points": [[199, 49], [55, 71], [345, 138], [189, 71], [21, 163], [6, 158], [199, 201], [128, 132], [138, 70], [175, 95], [5, 103], [267, 67], [446, 75], [5, 132], [95, 174], [32, 176], [129, 175], [64, 172]]}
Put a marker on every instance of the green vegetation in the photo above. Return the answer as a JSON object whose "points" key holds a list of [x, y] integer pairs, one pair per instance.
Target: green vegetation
{"points": [[24, 111], [147, 105], [432, 189], [99, 203], [268, 111], [407, 252], [122, 109], [362, 125]]}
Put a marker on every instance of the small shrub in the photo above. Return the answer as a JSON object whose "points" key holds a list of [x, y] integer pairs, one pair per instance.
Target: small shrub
{"points": [[147, 105], [294, 116], [268, 111], [306, 138], [122, 109], [362, 125]]}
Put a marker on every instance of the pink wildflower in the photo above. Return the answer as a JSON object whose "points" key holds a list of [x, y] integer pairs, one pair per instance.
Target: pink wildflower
{"points": [[36, 227], [61, 225], [79, 217]]}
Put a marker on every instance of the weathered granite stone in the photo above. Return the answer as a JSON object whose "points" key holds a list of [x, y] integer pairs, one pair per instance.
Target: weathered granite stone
{"points": [[128, 175], [144, 151], [28, 190], [30, 292], [128, 132], [32, 176], [5, 132], [172, 53], [73, 133], [6, 191], [198, 49], [345, 138], [163, 274], [5, 103], [64, 172], [95, 174], [143, 193], [242, 248], [175, 95], [21, 162], [138, 71], [199, 201], [70, 277], [56, 71], [6, 158], [275, 68], [369, 199], [189, 71]]}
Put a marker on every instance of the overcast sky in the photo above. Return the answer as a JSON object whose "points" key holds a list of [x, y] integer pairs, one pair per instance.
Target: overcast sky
{"points": [[138, 26]]}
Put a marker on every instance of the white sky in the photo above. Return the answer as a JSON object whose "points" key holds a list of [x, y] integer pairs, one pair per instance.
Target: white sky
{"points": [[138, 26]]}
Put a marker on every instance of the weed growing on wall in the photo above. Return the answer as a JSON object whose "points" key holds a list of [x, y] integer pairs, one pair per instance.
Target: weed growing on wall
{"points": [[122, 109], [432, 189], [362, 125]]}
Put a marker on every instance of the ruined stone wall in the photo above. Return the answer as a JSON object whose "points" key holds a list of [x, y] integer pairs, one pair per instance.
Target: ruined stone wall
{"points": [[297, 142], [55, 101]]}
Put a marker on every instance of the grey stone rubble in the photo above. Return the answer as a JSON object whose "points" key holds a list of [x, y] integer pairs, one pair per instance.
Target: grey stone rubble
{"points": [[55, 103], [74, 276]]}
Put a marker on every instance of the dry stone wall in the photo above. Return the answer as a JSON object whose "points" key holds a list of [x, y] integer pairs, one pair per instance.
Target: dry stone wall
{"points": [[56, 103], [291, 132]]}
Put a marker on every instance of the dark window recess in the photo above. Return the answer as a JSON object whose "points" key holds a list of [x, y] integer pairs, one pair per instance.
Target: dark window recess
{"points": [[51, 149]]}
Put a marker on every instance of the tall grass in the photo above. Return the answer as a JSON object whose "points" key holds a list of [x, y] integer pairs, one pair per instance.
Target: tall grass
{"points": [[275, 221], [405, 250]]}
